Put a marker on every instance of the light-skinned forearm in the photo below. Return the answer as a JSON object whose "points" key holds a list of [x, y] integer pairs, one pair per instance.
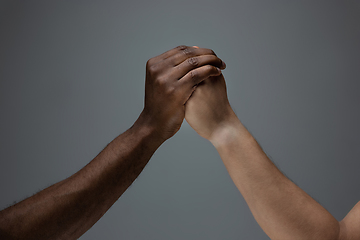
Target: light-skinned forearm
{"points": [[282, 209], [69, 208]]}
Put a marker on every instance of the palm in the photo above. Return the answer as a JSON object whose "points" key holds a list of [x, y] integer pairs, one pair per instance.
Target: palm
{"points": [[208, 108]]}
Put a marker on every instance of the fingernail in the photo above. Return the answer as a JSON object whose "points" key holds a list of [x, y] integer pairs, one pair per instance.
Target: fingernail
{"points": [[195, 46], [223, 65], [219, 70]]}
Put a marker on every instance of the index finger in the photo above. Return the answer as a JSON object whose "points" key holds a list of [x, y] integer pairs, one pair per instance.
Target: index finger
{"points": [[189, 52], [171, 52]]}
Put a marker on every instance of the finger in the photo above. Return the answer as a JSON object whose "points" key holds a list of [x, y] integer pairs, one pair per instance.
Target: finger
{"points": [[163, 56], [171, 52], [186, 53], [195, 62], [159, 60], [198, 75]]}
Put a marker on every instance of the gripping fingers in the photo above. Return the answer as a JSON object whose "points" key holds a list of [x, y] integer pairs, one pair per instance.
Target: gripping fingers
{"points": [[186, 52], [198, 75], [196, 62], [170, 53]]}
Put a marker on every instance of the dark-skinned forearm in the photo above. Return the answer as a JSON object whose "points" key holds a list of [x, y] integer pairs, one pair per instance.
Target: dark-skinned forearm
{"points": [[69, 208]]}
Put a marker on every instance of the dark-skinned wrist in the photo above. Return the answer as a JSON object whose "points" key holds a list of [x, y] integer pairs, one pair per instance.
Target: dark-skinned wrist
{"points": [[145, 126]]}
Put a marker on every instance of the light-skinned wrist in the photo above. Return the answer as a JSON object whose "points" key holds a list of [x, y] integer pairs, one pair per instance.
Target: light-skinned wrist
{"points": [[232, 131]]}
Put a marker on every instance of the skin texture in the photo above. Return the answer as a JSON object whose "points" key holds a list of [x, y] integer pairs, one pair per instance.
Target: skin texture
{"points": [[69, 208], [282, 209]]}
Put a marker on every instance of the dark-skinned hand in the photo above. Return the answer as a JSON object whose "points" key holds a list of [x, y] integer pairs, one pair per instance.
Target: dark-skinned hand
{"points": [[171, 78]]}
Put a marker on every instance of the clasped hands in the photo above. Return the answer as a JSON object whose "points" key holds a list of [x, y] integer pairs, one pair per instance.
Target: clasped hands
{"points": [[186, 82]]}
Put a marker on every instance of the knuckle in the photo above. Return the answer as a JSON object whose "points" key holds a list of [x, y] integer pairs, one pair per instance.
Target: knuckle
{"points": [[210, 68], [161, 82], [181, 47], [194, 75], [193, 61], [149, 63], [170, 90], [153, 68], [188, 51]]}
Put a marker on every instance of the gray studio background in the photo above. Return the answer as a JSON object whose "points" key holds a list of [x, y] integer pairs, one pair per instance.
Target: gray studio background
{"points": [[72, 79]]}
